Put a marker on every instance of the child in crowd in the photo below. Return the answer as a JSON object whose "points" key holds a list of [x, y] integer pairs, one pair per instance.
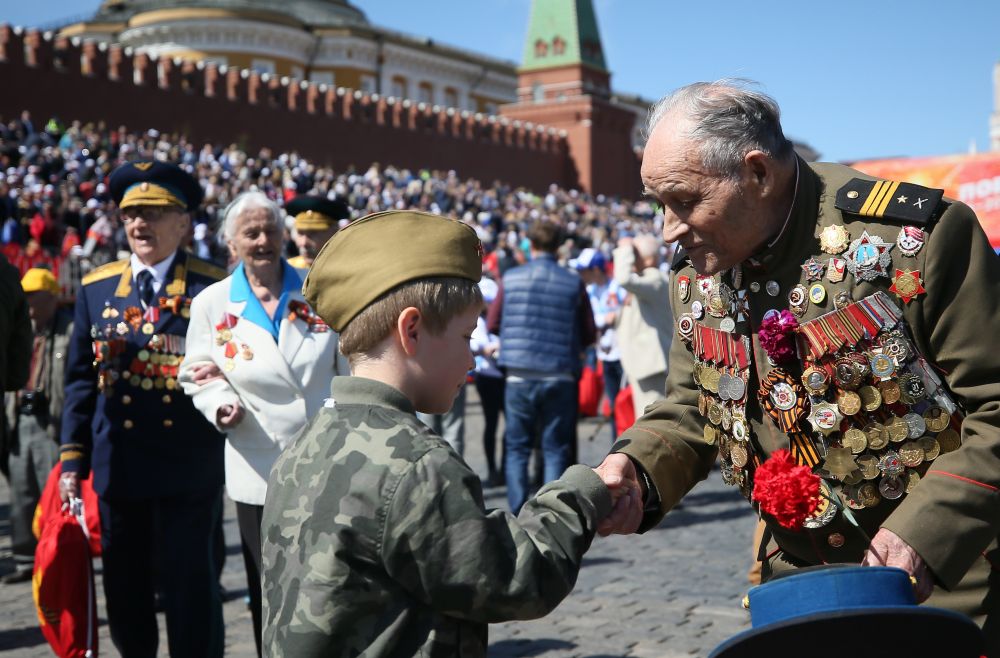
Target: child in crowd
{"points": [[376, 539]]}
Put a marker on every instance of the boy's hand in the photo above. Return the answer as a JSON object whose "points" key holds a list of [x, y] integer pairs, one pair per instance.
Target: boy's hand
{"points": [[619, 474]]}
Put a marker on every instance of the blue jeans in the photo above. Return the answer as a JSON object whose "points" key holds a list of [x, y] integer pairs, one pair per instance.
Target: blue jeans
{"points": [[531, 405], [612, 384]]}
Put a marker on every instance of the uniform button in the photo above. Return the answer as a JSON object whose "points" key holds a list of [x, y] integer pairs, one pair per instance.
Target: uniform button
{"points": [[126, 399], [836, 540], [167, 422], [128, 424], [166, 399]]}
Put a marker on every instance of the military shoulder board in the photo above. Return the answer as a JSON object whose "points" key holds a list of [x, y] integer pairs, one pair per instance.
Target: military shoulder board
{"points": [[890, 199]]}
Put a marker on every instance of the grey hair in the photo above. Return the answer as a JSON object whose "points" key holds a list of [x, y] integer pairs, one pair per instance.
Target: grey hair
{"points": [[728, 120], [647, 245], [248, 201]]}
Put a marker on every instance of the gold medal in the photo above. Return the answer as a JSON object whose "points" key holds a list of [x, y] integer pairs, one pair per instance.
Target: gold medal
{"points": [[871, 399], [703, 405], [907, 284], [878, 436], [856, 440], [143, 355], [868, 465], [739, 455], [936, 419], [834, 239], [158, 383], [898, 429], [710, 435], [869, 495], [134, 380], [148, 328], [714, 412], [911, 454], [849, 403], [890, 391], [228, 365], [225, 336], [911, 478], [930, 447], [170, 383], [246, 352], [948, 440], [146, 384]]}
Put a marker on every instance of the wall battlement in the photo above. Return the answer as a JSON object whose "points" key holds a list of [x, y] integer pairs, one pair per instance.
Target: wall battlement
{"points": [[94, 81]]}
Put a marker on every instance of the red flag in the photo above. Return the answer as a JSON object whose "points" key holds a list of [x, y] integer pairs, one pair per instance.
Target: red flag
{"points": [[50, 508]]}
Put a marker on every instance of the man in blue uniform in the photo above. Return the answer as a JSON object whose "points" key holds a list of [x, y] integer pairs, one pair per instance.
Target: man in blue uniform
{"points": [[157, 463]]}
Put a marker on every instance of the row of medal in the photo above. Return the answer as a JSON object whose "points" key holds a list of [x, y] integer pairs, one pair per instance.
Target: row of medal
{"points": [[155, 366], [866, 258], [140, 320]]}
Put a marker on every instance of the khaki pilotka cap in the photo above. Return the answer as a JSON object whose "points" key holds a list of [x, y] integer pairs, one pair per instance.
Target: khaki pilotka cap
{"points": [[373, 255]]}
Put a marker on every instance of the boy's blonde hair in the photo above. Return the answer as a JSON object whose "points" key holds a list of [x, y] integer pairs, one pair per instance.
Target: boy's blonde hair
{"points": [[439, 299]]}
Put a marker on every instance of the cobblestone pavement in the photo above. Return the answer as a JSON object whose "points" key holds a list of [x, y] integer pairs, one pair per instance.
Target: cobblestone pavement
{"points": [[674, 591]]}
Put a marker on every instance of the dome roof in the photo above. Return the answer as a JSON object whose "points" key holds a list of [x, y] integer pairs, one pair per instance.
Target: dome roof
{"points": [[312, 13]]}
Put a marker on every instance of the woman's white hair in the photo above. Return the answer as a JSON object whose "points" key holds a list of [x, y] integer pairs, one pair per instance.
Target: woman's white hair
{"points": [[727, 120], [248, 201]]}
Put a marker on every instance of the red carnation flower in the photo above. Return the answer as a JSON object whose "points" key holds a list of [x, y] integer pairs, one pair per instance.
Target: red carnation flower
{"points": [[777, 336], [785, 490]]}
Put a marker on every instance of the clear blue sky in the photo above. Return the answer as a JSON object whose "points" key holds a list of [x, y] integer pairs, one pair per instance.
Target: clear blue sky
{"points": [[855, 78]]}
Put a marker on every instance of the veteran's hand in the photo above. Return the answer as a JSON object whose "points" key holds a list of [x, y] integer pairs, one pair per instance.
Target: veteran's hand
{"points": [[619, 474], [69, 487], [889, 550], [229, 415], [204, 373]]}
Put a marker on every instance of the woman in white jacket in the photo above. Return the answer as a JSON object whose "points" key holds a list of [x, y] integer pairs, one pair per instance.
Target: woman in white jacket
{"points": [[276, 358]]}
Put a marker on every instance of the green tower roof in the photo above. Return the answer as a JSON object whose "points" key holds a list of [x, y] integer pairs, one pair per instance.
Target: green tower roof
{"points": [[563, 33]]}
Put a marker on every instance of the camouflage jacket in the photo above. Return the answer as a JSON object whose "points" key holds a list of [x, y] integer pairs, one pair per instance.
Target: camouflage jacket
{"points": [[377, 543]]}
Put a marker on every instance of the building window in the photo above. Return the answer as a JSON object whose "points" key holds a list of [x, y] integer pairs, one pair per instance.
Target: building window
{"points": [[537, 93], [425, 93], [398, 87], [368, 84], [558, 46], [490, 108], [541, 48], [451, 97], [262, 65], [324, 78]]}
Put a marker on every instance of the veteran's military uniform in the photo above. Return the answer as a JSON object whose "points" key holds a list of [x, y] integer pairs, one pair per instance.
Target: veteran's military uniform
{"points": [[376, 540], [157, 463], [887, 387]]}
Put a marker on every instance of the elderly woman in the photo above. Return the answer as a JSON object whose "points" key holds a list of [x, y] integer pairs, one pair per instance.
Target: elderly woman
{"points": [[275, 356]]}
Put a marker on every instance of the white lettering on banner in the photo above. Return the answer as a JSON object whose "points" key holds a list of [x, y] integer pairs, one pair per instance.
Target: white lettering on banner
{"points": [[976, 190]]}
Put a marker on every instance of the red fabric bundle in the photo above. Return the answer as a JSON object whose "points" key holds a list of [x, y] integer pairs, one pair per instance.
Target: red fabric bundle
{"points": [[624, 410], [590, 390], [63, 588]]}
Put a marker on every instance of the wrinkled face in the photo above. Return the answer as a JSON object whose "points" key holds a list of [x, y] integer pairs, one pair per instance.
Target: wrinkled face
{"points": [[256, 240], [154, 232], [714, 218], [445, 360], [310, 242]]}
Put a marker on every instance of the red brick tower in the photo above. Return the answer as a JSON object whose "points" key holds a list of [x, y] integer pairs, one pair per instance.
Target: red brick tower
{"points": [[564, 83]]}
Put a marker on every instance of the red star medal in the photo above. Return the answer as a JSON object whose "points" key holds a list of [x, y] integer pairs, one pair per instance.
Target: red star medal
{"points": [[907, 284]]}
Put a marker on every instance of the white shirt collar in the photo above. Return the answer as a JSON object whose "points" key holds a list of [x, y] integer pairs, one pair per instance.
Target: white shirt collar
{"points": [[159, 270]]}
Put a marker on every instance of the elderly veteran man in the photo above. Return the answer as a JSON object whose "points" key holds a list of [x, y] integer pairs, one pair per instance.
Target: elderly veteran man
{"points": [[157, 463], [34, 414], [316, 220], [842, 318]]}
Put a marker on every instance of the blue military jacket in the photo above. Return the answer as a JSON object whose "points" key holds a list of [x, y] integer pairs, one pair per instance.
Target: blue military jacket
{"points": [[125, 416]]}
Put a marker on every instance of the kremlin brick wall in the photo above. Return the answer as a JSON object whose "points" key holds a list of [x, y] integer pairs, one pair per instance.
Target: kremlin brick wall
{"points": [[91, 82]]}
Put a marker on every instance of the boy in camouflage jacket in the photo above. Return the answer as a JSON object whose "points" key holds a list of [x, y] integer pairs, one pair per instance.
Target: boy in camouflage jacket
{"points": [[376, 539]]}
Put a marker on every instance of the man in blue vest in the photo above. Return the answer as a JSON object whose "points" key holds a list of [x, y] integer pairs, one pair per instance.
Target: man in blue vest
{"points": [[543, 317], [157, 463]]}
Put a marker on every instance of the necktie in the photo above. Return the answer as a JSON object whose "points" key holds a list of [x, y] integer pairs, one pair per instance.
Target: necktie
{"points": [[144, 282]]}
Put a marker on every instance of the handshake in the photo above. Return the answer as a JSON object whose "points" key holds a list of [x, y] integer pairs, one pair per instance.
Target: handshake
{"points": [[627, 494]]}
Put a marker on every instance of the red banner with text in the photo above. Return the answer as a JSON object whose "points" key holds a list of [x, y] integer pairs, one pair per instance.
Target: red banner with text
{"points": [[972, 179]]}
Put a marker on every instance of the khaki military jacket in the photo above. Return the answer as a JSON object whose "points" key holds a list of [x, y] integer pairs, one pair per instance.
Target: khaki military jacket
{"points": [[376, 541], [931, 479]]}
